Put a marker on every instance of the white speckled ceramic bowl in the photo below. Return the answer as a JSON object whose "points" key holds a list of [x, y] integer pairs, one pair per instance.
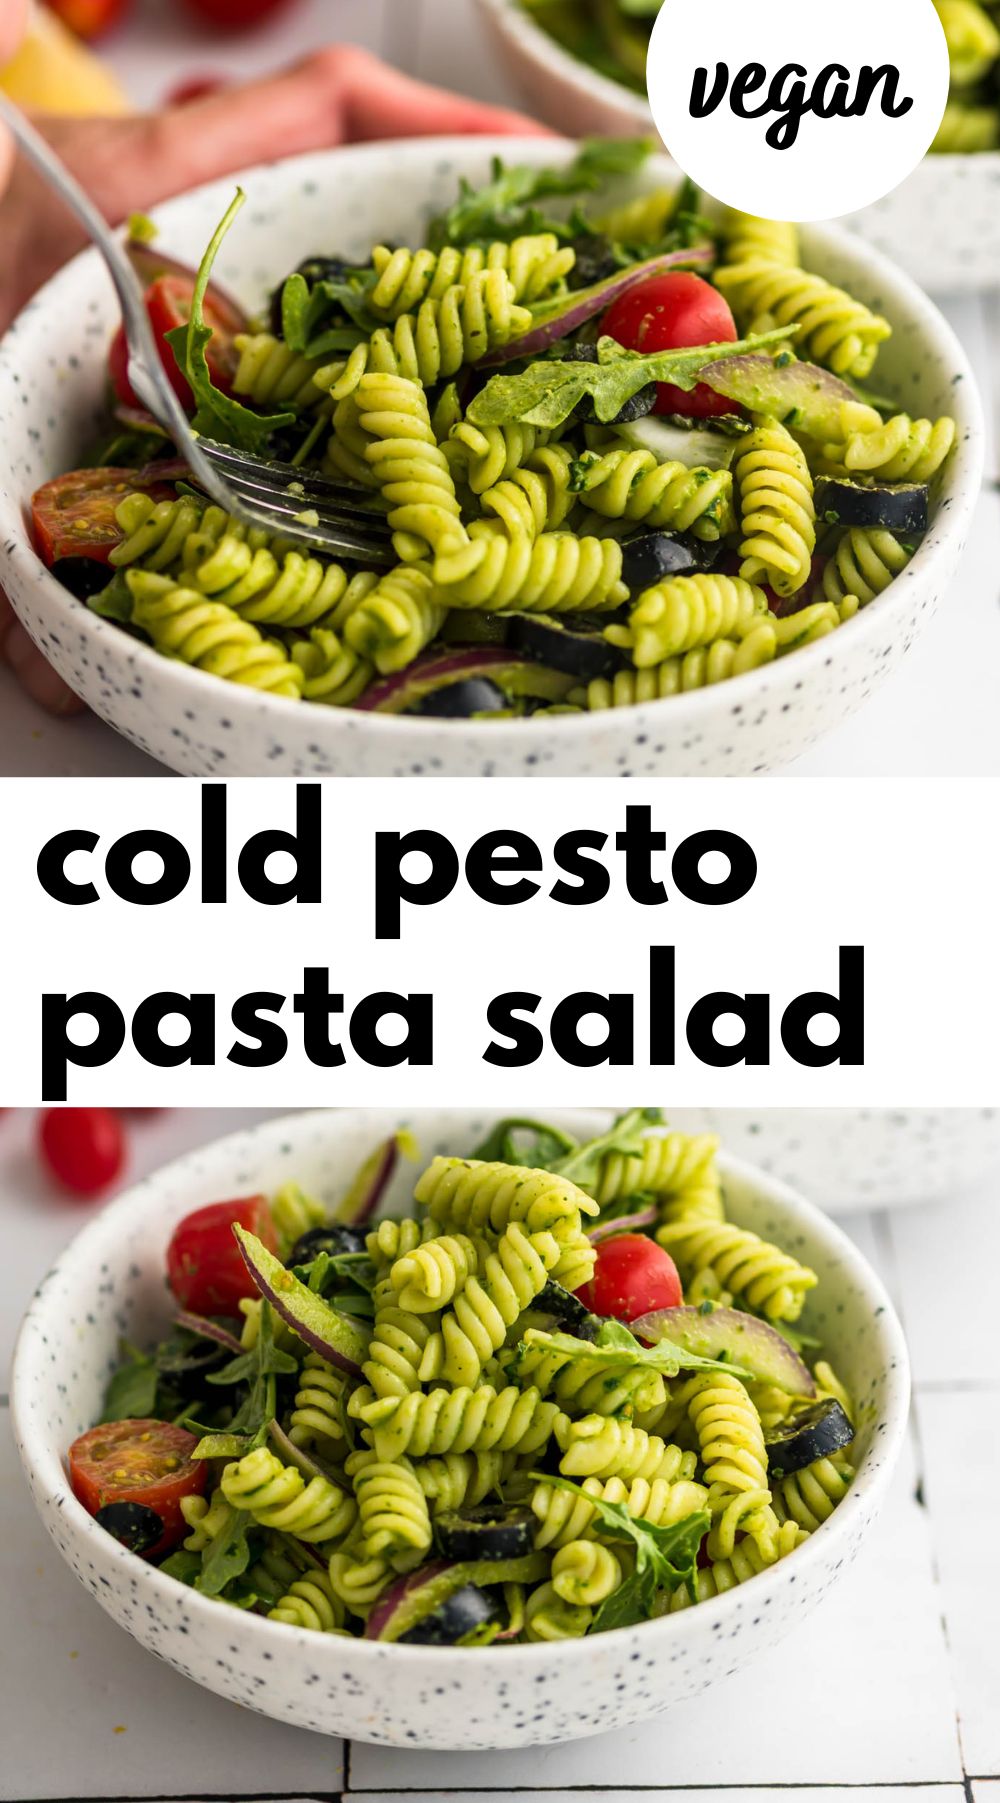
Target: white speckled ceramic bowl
{"points": [[850, 1159], [942, 225], [110, 1283], [51, 383]]}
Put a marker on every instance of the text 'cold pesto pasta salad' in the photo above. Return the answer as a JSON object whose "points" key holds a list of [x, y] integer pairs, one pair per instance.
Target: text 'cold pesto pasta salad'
{"points": [[612, 36], [597, 492], [563, 1395]]}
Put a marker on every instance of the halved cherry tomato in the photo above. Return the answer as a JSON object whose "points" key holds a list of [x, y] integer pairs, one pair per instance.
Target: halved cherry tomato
{"points": [[144, 1462], [232, 15], [204, 1266], [168, 303], [89, 18], [632, 1276], [664, 313], [74, 515], [84, 1148]]}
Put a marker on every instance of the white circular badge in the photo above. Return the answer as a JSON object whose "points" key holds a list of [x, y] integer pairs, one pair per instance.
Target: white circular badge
{"points": [[795, 110]]}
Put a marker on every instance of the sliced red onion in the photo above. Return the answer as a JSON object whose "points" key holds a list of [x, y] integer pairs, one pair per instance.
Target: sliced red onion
{"points": [[436, 668], [570, 311], [371, 1184], [384, 1611], [645, 1217], [149, 261], [137, 418], [208, 1330], [729, 1333], [335, 1336]]}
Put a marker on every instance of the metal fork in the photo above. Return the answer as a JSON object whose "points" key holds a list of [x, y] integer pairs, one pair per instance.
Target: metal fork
{"points": [[270, 495]]}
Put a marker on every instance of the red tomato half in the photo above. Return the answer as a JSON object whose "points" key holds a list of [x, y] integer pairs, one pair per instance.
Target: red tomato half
{"points": [[146, 1462], [168, 303], [233, 15], [664, 313], [204, 1266], [89, 18], [633, 1276], [74, 515], [84, 1148]]}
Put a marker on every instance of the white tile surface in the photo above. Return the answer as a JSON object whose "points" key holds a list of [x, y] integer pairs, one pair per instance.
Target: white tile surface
{"points": [[960, 1436], [936, 716], [932, 1252]]}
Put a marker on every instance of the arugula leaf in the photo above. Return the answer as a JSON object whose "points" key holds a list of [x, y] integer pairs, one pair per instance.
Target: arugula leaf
{"points": [[219, 415], [501, 208], [184, 1566], [666, 1557], [132, 1391], [258, 1369], [355, 1267], [114, 602], [615, 1348], [547, 1145], [305, 308], [227, 1556], [626, 1135], [546, 393]]}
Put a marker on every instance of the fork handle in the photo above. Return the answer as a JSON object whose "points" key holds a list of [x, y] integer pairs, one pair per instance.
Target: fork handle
{"points": [[146, 373]]}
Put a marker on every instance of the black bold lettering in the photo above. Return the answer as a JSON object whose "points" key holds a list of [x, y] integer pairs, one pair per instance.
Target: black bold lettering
{"points": [[752, 1010], [594, 880], [199, 1012], [639, 842], [614, 1010], [703, 103], [248, 1018], [737, 883], [58, 1050], [315, 1004], [304, 845], [172, 880], [51, 868], [847, 1008], [487, 859], [418, 1013], [528, 1040], [391, 887]]}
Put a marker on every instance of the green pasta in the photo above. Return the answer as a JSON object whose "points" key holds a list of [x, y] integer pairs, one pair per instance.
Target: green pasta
{"points": [[493, 1406], [470, 397]]}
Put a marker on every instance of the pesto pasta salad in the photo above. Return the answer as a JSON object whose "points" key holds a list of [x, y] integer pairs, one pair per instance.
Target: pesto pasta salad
{"points": [[612, 36], [611, 456], [563, 1394]]}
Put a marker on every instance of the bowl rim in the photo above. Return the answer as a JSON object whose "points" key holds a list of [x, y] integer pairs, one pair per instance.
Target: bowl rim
{"points": [[553, 56], [53, 1488], [539, 733]]}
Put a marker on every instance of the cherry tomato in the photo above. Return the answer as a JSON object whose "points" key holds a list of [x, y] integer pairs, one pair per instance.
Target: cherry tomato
{"points": [[144, 1462], [168, 303], [232, 15], [205, 1269], [84, 1148], [633, 1276], [195, 87], [664, 313], [89, 18], [74, 515]]}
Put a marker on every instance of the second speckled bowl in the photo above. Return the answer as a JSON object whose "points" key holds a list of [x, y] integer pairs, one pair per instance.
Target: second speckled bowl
{"points": [[109, 1285]]}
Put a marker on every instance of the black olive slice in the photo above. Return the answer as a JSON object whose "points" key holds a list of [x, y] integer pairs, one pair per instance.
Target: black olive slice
{"points": [[581, 654], [487, 1532], [83, 576], [568, 1310], [460, 700], [896, 506], [335, 1238], [653, 556], [452, 1620], [811, 1433], [131, 1523], [595, 260]]}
